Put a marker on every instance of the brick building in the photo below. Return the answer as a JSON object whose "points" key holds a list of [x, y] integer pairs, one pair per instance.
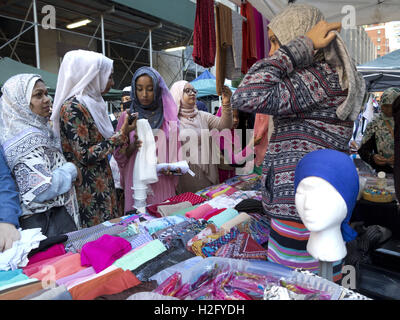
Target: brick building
{"points": [[377, 33]]}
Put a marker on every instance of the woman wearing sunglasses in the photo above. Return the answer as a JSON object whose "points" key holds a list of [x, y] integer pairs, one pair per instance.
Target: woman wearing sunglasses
{"points": [[194, 134]]}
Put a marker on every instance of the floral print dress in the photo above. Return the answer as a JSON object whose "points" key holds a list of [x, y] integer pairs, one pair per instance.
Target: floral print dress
{"points": [[83, 145]]}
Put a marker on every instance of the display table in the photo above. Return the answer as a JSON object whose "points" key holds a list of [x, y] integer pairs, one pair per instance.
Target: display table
{"points": [[175, 242]]}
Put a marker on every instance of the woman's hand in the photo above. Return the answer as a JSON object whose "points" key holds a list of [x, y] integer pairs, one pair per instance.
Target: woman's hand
{"points": [[379, 160], [226, 95], [8, 234], [126, 127], [321, 34]]}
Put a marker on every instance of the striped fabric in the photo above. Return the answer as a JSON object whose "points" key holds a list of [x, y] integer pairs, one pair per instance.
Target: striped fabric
{"points": [[287, 245]]}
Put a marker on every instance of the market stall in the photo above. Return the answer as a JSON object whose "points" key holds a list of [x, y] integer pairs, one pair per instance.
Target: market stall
{"points": [[208, 245]]}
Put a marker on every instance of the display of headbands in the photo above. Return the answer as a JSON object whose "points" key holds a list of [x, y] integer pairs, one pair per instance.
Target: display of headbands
{"points": [[177, 168]]}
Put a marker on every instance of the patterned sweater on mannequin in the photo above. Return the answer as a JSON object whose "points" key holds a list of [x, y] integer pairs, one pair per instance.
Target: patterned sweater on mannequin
{"points": [[302, 95]]}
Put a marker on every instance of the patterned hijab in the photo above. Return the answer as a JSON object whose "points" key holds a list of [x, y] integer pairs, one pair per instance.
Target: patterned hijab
{"points": [[296, 20], [22, 130], [154, 112]]}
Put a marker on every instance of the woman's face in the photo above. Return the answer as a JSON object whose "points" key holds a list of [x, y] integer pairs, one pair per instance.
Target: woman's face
{"points": [[235, 119], [145, 90], [40, 100], [189, 94], [275, 45], [110, 83]]}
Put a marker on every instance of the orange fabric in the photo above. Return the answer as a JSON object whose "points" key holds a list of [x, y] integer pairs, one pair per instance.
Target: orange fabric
{"points": [[35, 267], [61, 268], [113, 282], [261, 130], [20, 292]]}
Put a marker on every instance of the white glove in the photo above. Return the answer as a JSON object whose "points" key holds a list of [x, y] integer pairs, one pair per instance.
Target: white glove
{"points": [[8, 234]]}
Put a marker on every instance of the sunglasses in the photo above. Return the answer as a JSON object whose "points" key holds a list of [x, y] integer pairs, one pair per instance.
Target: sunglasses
{"points": [[189, 90]]}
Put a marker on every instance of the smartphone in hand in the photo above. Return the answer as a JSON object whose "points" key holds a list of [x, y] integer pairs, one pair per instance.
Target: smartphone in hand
{"points": [[132, 117]]}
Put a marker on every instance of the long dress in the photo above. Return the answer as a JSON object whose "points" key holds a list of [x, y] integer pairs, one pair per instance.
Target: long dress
{"points": [[83, 145]]}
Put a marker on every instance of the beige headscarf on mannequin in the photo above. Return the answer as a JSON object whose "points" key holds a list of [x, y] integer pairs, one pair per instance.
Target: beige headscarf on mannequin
{"points": [[296, 20]]}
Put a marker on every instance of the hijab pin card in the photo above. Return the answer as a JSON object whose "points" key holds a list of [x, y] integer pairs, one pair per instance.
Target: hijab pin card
{"points": [[326, 188]]}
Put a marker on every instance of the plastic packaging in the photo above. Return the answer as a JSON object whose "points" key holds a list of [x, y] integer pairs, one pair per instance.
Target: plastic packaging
{"points": [[381, 181]]}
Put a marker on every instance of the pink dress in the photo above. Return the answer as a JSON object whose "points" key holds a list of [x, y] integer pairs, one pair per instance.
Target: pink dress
{"points": [[163, 189]]}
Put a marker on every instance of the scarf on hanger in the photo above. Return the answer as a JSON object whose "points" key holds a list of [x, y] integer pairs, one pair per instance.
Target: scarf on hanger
{"points": [[84, 74], [296, 20], [22, 130]]}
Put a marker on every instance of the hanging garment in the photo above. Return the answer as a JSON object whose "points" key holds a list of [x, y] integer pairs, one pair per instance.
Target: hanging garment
{"points": [[249, 42], [223, 41], [145, 169], [204, 43]]}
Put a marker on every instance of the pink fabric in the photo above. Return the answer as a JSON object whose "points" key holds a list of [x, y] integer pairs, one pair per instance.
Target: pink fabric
{"points": [[188, 196], [54, 251], [162, 189], [63, 267], [199, 212], [102, 252], [261, 130], [35, 267], [213, 213]]}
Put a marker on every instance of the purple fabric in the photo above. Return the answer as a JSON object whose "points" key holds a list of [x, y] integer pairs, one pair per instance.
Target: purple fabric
{"points": [[78, 275], [259, 34], [267, 46], [102, 252]]}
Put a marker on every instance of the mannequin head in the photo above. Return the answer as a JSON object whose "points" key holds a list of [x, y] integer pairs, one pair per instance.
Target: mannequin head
{"points": [[314, 196], [326, 188]]}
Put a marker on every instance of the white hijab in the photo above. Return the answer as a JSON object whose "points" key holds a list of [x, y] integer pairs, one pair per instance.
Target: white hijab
{"points": [[84, 74]]}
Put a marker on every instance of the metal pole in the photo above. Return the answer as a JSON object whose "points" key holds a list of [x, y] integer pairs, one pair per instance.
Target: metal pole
{"points": [[36, 34], [150, 49], [103, 46]]}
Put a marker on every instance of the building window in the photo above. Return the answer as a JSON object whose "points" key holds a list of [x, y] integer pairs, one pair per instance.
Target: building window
{"points": [[379, 31], [379, 39], [379, 47]]}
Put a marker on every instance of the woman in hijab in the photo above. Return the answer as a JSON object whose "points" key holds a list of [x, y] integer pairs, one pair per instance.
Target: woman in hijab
{"points": [[151, 100], [377, 144], [43, 176], [192, 123], [81, 120], [314, 93]]}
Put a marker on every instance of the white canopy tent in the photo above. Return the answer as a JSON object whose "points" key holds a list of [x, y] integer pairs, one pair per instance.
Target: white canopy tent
{"points": [[366, 11]]}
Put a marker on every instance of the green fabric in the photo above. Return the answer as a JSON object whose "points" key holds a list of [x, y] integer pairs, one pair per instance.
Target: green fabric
{"points": [[135, 259], [183, 211], [223, 217], [258, 170]]}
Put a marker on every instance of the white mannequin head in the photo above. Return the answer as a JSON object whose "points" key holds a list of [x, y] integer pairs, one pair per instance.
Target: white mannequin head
{"points": [[322, 210], [326, 186]]}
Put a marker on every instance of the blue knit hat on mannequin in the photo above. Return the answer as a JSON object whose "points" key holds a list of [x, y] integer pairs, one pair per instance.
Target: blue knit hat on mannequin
{"points": [[338, 169]]}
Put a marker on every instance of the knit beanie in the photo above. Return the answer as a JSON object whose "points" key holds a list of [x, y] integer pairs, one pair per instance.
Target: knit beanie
{"points": [[338, 169]]}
